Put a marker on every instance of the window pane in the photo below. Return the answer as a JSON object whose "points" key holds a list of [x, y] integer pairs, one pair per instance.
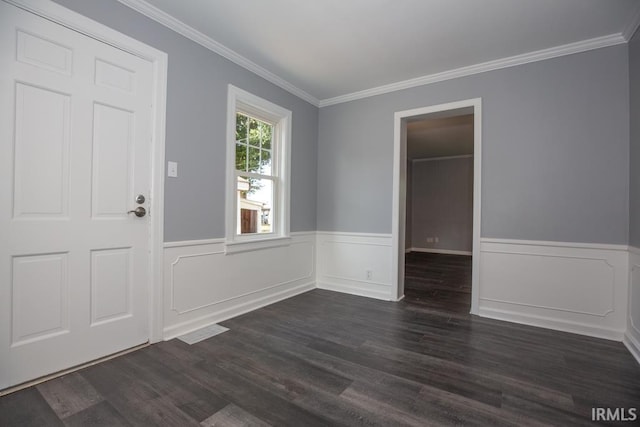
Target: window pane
{"points": [[265, 162], [241, 157], [241, 127], [254, 132], [255, 205], [254, 159], [267, 135]]}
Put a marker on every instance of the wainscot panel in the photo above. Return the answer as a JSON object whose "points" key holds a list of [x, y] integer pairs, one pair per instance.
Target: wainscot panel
{"points": [[355, 263], [580, 288], [632, 336], [203, 285]]}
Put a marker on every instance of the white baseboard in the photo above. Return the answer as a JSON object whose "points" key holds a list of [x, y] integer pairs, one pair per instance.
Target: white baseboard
{"points": [[358, 264], [441, 251], [364, 290], [231, 312], [580, 289], [632, 345], [552, 323]]}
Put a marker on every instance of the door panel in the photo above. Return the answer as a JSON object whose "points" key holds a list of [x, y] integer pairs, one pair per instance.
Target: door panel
{"points": [[112, 184], [43, 53], [111, 285], [40, 288], [114, 77], [75, 150], [41, 166]]}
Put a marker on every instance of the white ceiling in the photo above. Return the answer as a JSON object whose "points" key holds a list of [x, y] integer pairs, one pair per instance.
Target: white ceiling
{"points": [[331, 48]]}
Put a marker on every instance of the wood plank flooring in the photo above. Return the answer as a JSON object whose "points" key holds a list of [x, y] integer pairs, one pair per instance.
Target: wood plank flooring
{"points": [[439, 281], [325, 358]]}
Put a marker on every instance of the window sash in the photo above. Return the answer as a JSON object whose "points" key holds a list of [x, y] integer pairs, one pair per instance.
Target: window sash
{"points": [[275, 188], [275, 141]]}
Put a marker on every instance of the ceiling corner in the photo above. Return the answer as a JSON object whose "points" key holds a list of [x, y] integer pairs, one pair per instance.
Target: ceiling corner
{"points": [[163, 18], [632, 26]]}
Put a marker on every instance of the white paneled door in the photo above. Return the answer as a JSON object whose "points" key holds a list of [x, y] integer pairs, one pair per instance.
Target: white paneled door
{"points": [[75, 151]]}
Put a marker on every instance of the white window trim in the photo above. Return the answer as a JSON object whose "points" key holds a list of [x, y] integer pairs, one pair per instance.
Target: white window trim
{"points": [[261, 108]]}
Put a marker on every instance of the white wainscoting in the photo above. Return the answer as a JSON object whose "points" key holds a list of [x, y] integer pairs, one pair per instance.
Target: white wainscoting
{"points": [[586, 289], [203, 285], [344, 259], [573, 287], [632, 336]]}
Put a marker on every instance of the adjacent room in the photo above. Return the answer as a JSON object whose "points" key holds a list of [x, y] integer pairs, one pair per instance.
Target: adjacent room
{"points": [[439, 210], [344, 212]]}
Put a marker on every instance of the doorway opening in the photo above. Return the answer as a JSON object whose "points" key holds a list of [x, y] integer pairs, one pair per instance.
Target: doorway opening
{"points": [[436, 212], [439, 210]]}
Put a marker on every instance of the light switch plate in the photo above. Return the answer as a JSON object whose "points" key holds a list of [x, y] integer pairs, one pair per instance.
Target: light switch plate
{"points": [[172, 169]]}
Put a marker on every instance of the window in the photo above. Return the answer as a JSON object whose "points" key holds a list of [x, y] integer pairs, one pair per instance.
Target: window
{"points": [[258, 137], [255, 180]]}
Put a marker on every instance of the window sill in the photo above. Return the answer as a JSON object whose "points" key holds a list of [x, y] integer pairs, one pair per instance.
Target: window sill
{"points": [[255, 244]]}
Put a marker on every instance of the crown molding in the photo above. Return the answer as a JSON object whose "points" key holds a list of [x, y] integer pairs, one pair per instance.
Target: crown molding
{"points": [[632, 26], [180, 27], [185, 30], [512, 61]]}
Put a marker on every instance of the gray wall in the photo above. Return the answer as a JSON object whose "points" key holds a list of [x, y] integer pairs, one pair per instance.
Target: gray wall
{"points": [[442, 204], [555, 150], [196, 120], [634, 188]]}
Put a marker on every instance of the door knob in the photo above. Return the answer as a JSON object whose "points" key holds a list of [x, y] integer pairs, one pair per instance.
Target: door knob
{"points": [[139, 211]]}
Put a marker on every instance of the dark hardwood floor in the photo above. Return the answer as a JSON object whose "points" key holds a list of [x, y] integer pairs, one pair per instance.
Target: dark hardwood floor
{"points": [[439, 281], [325, 358]]}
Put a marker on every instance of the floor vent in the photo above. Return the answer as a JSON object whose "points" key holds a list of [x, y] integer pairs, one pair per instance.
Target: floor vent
{"points": [[202, 334]]}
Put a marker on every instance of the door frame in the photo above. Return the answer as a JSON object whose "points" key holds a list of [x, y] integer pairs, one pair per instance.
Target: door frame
{"points": [[81, 24], [398, 216]]}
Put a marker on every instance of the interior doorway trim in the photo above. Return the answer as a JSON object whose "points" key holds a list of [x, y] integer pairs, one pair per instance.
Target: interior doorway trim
{"points": [[398, 217], [79, 23]]}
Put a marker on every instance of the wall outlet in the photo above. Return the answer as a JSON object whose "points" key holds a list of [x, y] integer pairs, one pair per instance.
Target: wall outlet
{"points": [[435, 239], [369, 274], [172, 169], [429, 239]]}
